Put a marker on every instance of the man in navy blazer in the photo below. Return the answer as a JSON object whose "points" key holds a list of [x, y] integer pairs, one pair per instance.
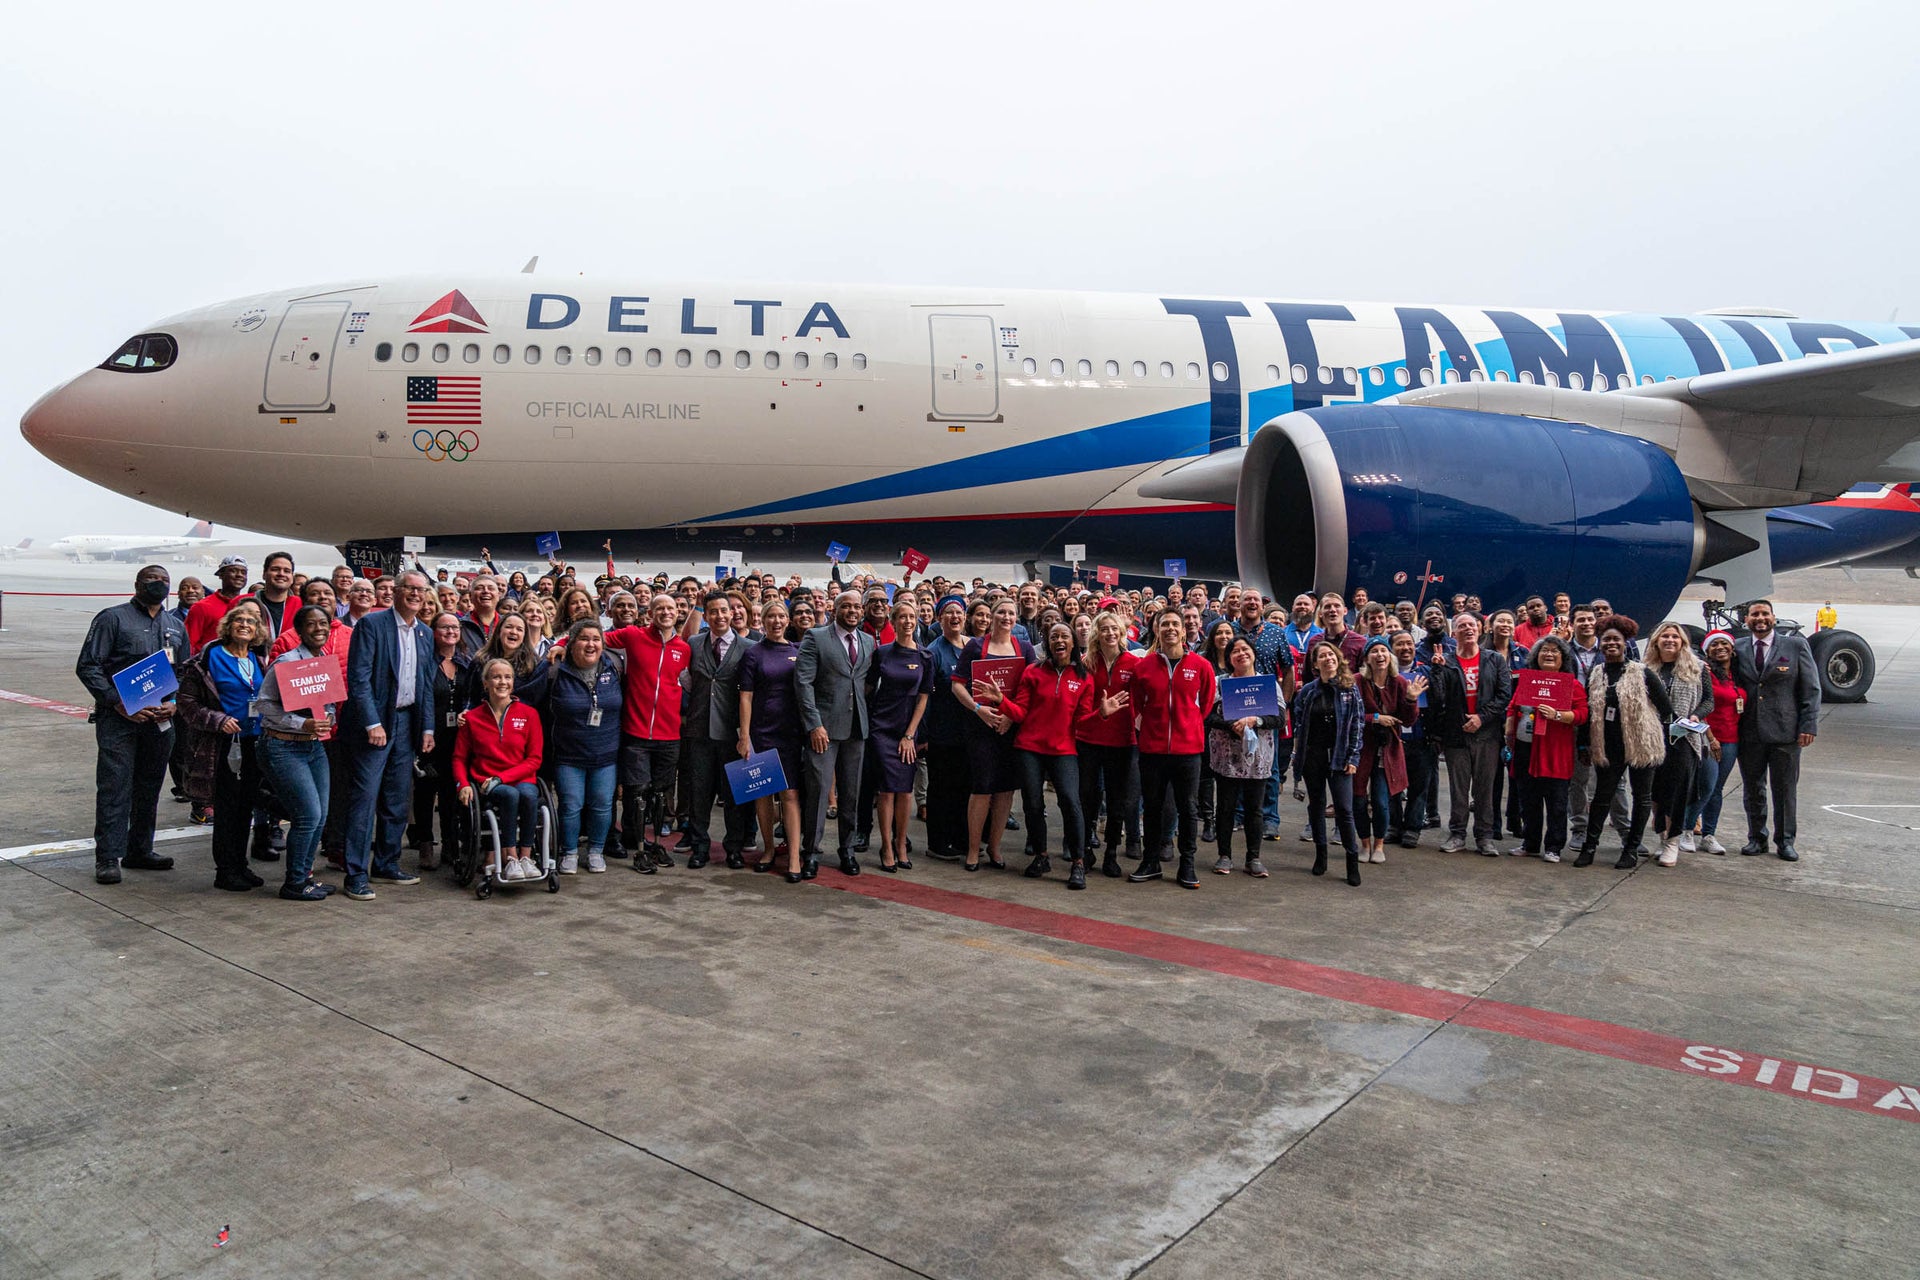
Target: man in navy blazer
{"points": [[386, 722]]}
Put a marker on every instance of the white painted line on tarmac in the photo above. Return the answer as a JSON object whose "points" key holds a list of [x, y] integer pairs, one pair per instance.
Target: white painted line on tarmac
{"points": [[18, 852], [1841, 809]]}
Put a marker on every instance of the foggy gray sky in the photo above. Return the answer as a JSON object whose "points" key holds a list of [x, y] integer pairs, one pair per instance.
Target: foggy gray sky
{"points": [[1668, 156]]}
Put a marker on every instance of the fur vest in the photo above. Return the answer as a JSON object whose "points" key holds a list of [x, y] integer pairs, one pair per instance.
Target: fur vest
{"points": [[1640, 728]]}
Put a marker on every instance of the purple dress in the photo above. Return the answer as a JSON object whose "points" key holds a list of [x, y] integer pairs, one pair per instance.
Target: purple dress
{"points": [[899, 676], [766, 672]]}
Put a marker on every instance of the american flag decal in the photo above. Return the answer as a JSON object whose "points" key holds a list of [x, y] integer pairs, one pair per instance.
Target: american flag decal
{"points": [[435, 401]]}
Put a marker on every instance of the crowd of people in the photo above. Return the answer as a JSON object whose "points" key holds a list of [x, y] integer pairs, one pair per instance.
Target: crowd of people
{"points": [[940, 700]]}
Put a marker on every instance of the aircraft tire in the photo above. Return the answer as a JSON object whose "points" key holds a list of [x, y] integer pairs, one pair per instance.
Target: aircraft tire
{"points": [[1846, 665]]}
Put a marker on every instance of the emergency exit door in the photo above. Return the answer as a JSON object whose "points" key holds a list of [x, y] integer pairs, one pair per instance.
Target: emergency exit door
{"points": [[966, 377], [300, 363]]}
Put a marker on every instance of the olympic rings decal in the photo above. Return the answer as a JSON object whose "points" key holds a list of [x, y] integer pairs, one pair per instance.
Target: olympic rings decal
{"points": [[446, 445]]}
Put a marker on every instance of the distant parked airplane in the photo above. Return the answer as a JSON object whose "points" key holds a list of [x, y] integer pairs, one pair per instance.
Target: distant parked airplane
{"points": [[123, 546]]}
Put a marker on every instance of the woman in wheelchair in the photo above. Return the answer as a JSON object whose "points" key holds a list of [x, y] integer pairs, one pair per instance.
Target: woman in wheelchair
{"points": [[498, 756]]}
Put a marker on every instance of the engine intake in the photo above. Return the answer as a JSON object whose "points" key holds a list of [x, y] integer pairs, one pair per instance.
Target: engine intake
{"points": [[1406, 501]]}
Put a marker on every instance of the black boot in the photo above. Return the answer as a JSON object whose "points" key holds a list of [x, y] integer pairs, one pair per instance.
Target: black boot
{"points": [[1320, 860], [1353, 867], [263, 850], [1587, 851], [1077, 875], [1189, 876], [1110, 865], [1149, 869]]}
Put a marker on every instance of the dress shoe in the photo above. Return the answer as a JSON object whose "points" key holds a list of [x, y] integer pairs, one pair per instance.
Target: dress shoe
{"points": [[794, 877], [809, 868], [695, 861], [146, 862], [1753, 848], [735, 861], [889, 867], [903, 861], [862, 841], [849, 864], [1788, 853], [106, 873], [1077, 875]]}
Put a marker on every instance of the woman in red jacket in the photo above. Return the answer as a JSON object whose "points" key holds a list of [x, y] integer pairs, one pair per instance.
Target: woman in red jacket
{"points": [[499, 755], [1723, 742], [1392, 703], [1105, 737], [1173, 689], [1051, 695], [1544, 741]]}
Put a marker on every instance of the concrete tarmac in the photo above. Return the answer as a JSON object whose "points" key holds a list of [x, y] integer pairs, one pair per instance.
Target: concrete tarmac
{"points": [[1466, 1066]]}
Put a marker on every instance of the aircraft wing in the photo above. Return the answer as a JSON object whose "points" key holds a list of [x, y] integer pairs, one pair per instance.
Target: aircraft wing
{"points": [[1811, 427]]}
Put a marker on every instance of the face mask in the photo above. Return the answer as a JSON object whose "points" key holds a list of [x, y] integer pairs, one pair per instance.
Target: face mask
{"points": [[151, 593]]}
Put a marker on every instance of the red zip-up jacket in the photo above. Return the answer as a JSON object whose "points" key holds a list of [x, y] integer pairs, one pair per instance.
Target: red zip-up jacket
{"points": [[650, 696], [1171, 701], [508, 749], [1045, 703], [1115, 730]]}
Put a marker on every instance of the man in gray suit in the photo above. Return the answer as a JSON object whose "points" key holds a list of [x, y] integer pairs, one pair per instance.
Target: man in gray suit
{"points": [[830, 681], [1778, 678], [709, 732]]}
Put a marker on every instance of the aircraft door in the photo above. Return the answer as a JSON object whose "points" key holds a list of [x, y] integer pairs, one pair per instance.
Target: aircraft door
{"points": [[300, 362], [966, 374]]}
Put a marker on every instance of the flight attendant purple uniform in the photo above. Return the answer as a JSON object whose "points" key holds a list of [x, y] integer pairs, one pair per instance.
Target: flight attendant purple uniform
{"points": [[900, 676], [766, 672]]}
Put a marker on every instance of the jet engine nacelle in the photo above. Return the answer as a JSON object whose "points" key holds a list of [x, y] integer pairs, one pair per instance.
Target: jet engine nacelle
{"points": [[1408, 501]]}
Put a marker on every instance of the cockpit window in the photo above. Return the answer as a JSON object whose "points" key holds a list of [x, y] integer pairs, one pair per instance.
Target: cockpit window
{"points": [[144, 354]]}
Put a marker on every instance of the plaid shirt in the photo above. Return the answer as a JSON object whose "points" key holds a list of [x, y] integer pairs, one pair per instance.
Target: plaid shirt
{"points": [[1349, 719]]}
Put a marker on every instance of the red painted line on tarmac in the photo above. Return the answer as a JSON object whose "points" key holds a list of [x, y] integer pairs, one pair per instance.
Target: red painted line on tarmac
{"points": [[1848, 1090], [45, 704]]}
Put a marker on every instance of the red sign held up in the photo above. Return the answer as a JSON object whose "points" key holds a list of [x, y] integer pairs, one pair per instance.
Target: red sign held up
{"points": [[310, 682], [1107, 574], [915, 561]]}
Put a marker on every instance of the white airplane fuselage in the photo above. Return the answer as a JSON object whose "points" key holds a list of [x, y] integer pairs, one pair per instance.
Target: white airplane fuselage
{"points": [[700, 415]]}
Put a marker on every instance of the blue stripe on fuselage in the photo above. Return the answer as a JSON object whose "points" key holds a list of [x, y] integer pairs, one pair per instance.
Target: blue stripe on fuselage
{"points": [[1158, 437]]}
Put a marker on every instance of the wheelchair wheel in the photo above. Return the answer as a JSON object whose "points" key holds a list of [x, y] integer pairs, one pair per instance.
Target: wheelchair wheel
{"points": [[553, 882], [484, 889]]}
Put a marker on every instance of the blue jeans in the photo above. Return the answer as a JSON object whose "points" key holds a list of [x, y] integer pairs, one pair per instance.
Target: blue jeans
{"points": [[1270, 810], [1370, 814], [378, 779], [298, 771], [516, 806], [585, 793], [1715, 773]]}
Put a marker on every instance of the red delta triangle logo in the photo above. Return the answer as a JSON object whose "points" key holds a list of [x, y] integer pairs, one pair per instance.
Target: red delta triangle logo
{"points": [[452, 314]]}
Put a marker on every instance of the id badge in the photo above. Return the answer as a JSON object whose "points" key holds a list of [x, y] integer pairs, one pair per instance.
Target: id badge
{"points": [[453, 719], [1613, 713], [593, 718], [253, 708]]}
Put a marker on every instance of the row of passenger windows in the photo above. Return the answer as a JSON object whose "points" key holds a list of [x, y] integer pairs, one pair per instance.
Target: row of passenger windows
{"points": [[652, 358], [1325, 375]]}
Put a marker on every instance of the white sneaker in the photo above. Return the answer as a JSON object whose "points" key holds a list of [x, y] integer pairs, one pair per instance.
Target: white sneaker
{"points": [[1669, 851], [1687, 844], [1549, 856], [1712, 845], [510, 869], [530, 870], [1454, 844], [1379, 855], [569, 864], [596, 862]]}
